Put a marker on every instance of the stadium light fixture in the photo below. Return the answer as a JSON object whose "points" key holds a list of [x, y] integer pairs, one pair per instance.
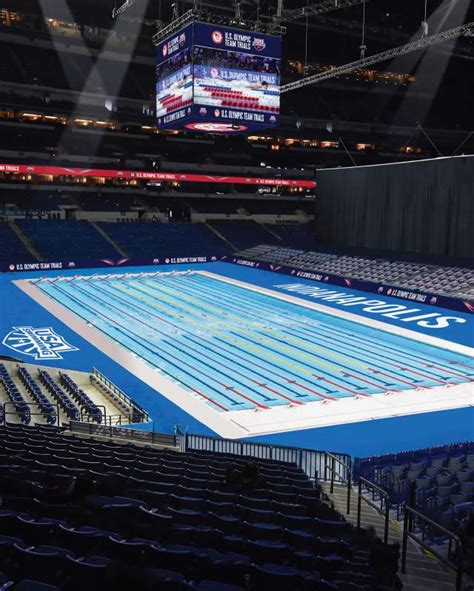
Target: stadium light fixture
{"points": [[117, 12], [94, 76], [408, 63], [431, 67], [63, 9]]}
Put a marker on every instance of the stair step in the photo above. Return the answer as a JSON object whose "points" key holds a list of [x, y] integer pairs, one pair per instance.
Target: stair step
{"points": [[423, 572], [430, 573], [412, 582], [420, 561]]}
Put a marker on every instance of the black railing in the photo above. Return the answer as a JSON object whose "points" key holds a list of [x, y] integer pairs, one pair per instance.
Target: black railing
{"points": [[145, 417], [87, 417], [333, 465], [311, 461], [380, 501], [456, 561], [124, 433], [6, 412]]}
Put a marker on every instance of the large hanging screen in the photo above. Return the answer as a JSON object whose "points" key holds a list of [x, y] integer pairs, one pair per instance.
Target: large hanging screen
{"points": [[212, 78]]}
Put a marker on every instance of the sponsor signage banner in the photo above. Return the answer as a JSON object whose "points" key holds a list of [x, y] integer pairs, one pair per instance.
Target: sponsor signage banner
{"points": [[103, 263], [416, 297], [152, 176]]}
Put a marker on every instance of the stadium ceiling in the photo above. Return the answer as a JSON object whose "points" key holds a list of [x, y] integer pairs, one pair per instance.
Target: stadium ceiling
{"points": [[466, 30], [319, 8]]}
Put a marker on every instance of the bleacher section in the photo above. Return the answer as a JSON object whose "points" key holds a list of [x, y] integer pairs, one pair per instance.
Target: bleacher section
{"points": [[161, 240], [49, 396], [92, 201], [35, 201], [67, 239], [12, 248], [57, 240], [450, 281], [297, 235], [276, 206], [82, 513], [441, 480], [243, 233], [70, 71]]}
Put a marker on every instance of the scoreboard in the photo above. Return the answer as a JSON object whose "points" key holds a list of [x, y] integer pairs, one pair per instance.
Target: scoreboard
{"points": [[212, 78]]}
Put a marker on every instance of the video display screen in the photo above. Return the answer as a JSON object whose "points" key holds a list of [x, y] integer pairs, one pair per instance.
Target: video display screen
{"points": [[218, 78], [236, 75], [174, 77]]}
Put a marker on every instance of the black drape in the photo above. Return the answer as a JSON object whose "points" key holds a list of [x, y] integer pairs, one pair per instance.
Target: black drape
{"points": [[420, 207]]}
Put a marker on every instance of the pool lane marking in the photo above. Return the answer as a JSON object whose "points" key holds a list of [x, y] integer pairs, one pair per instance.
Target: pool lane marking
{"points": [[292, 401], [270, 294], [250, 347], [125, 328], [414, 386], [124, 303], [126, 332], [344, 355], [266, 338], [281, 358]]}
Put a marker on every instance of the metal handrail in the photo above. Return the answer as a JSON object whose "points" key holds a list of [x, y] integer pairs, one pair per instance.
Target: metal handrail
{"points": [[311, 461], [120, 393], [33, 414], [384, 496], [457, 564], [85, 413], [332, 470], [123, 433]]}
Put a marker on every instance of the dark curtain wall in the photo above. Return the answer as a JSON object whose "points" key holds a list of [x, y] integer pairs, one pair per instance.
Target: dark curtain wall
{"points": [[420, 207]]}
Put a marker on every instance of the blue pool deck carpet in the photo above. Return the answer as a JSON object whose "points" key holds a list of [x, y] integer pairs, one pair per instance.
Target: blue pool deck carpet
{"points": [[241, 352]]}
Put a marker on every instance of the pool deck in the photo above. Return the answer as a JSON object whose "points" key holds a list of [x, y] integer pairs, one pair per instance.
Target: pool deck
{"points": [[283, 418]]}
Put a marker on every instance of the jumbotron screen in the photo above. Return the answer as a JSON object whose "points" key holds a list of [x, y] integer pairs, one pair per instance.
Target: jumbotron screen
{"points": [[218, 79]]}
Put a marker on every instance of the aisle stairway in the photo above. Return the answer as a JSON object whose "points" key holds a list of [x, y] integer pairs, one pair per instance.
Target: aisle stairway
{"points": [[110, 240], [423, 571], [27, 242]]}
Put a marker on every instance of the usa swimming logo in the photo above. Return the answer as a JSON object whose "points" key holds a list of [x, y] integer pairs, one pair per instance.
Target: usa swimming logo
{"points": [[259, 44], [39, 343]]}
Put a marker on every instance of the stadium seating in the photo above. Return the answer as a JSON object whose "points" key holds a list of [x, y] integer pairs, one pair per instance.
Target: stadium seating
{"points": [[441, 478], [45, 406], [450, 281], [12, 248], [67, 239], [52, 397], [32, 202], [161, 240], [82, 513], [243, 233], [121, 202], [15, 396], [296, 235]]}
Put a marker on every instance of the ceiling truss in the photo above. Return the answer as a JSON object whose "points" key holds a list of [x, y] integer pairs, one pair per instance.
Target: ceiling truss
{"points": [[462, 31]]}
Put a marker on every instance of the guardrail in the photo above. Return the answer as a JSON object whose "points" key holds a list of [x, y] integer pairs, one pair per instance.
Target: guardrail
{"points": [[7, 404], [378, 495], [120, 393], [86, 415], [123, 433], [410, 515], [311, 461], [344, 476]]}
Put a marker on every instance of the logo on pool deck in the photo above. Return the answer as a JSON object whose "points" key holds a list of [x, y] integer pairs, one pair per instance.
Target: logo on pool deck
{"points": [[40, 343]]}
